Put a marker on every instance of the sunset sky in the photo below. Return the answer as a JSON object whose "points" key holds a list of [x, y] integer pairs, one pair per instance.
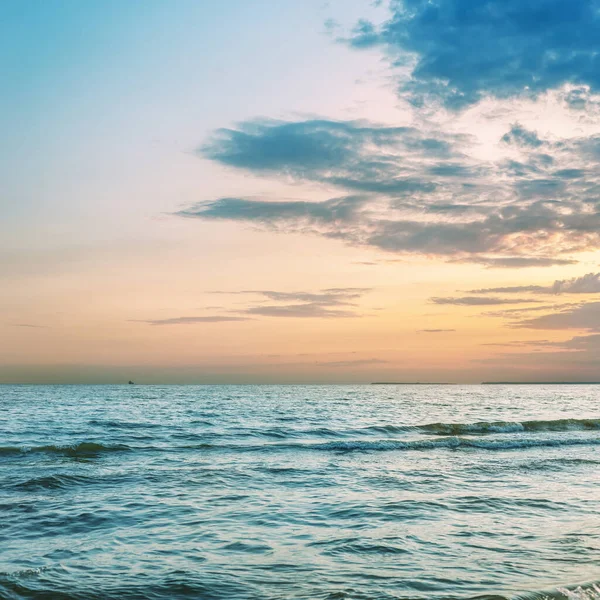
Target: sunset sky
{"points": [[299, 191]]}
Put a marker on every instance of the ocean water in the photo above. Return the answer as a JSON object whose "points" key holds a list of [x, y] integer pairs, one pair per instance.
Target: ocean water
{"points": [[277, 492]]}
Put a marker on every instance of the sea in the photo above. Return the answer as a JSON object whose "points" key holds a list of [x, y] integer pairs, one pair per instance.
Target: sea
{"points": [[135, 492]]}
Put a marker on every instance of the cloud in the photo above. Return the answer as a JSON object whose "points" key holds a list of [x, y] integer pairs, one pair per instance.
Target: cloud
{"points": [[364, 35], [512, 289], [480, 301], [584, 316], [326, 297], [520, 136], [520, 343], [582, 343], [518, 262], [435, 330], [517, 313], [355, 221], [191, 320], [418, 190], [277, 213], [29, 325], [329, 303], [355, 155], [587, 284], [309, 310], [574, 359], [460, 51]]}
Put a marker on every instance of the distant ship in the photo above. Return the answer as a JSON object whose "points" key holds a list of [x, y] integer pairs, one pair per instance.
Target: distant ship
{"points": [[131, 382]]}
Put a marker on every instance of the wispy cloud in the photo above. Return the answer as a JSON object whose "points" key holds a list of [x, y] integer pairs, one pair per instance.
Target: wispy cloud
{"points": [[518, 262], [587, 284], [326, 297], [435, 330], [310, 310], [480, 301], [517, 313], [191, 320], [574, 359], [330, 303], [584, 316], [519, 343]]}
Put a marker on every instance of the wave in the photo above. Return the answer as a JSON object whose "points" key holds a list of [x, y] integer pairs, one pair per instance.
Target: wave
{"points": [[361, 445], [53, 482], [441, 429], [51, 584], [27, 585], [585, 591], [559, 464], [486, 427], [9, 450], [92, 449], [112, 424], [446, 443], [356, 546], [82, 449], [478, 428]]}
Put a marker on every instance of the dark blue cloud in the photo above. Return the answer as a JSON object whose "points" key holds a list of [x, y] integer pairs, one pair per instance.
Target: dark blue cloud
{"points": [[450, 169], [577, 99], [349, 154], [273, 213], [569, 173], [364, 35], [520, 136], [464, 50], [417, 191], [358, 223]]}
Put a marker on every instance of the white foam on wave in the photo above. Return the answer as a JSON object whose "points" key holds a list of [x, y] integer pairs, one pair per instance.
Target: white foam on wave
{"points": [[454, 442], [487, 427], [582, 593]]}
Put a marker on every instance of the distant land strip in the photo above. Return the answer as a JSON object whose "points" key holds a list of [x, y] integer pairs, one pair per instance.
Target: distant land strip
{"points": [[411, 383], [540, 383], [489, 383]]}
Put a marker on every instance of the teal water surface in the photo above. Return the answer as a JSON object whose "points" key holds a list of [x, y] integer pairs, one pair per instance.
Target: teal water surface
{"points": [[272, 492]]}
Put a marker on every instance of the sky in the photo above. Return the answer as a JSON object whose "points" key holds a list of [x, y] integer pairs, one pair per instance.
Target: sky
{"points": [[339, 191]]}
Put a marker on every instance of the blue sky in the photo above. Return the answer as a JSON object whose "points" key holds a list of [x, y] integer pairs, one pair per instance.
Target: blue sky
{"points": [[283, 153]]}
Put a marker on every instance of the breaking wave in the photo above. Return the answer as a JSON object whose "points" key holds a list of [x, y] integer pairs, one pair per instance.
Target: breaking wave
{"points": [[82, 449], [454, 442], [485, 427]]}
